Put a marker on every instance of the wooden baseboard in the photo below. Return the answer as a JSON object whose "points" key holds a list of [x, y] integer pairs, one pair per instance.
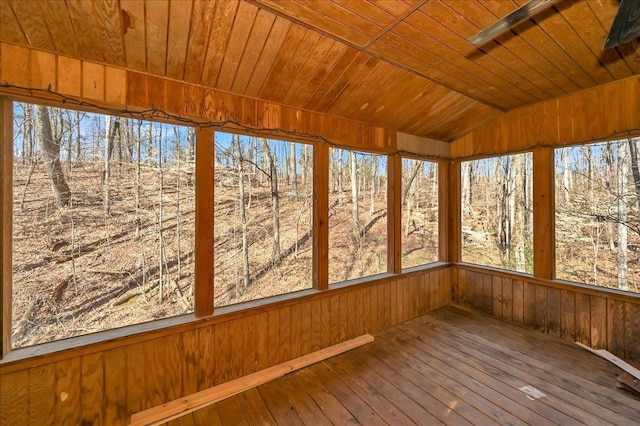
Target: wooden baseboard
{"points": [[179, 407]]}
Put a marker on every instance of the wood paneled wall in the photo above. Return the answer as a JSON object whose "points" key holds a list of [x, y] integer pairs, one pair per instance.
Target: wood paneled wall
{"points": [[90, 385], [605, 112], [602, 320], [105, 382], [103, 85], [425, 147]]}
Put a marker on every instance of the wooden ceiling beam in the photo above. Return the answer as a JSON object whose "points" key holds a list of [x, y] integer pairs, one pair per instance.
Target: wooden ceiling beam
{"points": [[395, 23]]}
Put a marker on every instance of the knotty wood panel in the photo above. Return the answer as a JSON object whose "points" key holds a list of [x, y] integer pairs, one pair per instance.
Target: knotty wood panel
{"points": [[602, 320], [601, 113], [105, 386], [27, 67], [452, 366], [236, 46]]}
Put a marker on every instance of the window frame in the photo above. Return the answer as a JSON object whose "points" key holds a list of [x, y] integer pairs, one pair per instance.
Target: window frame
{"points": [[537, 199], [203, 244], [443, 220], [275, 138], [6, 217], [553, 213]]}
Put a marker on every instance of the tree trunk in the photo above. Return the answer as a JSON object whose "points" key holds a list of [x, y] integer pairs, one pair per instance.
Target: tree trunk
{"points": [[243, 213], [623, 232], [138, 152], [504, 239], [467, 171], [69, 141], [374, 172], [520, 213], [27, 150], [566, 175], [294, 170], [78, 150], [340, 165], [275, 200], [305, 160], [51, 155], [176, 131], [417, 165], [111, 128], [611, 176], [354, 194], [635, 171]]}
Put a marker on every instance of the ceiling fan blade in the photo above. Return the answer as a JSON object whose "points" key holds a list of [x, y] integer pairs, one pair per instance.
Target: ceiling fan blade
{"points": [[522, 13], [626, 24]]}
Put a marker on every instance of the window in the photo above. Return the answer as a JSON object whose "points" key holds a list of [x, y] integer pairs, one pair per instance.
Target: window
{"points": [[262, 218], [597, 214], [357, 214], [497, 212], [419, 212], [103, 222]]}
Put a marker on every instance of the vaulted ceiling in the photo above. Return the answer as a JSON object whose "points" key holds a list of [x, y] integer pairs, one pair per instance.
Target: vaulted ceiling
{"points": [[401, 64]]}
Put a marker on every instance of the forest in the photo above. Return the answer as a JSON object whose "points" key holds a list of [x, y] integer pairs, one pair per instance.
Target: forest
{"points": [[103, 213], [419, 220], [597, 220], [598, 214], [497, 212], [103, 220], [104, 206]]}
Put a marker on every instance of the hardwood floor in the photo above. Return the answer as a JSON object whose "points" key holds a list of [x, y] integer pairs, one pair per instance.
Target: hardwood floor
{"points": [[452, 366]]}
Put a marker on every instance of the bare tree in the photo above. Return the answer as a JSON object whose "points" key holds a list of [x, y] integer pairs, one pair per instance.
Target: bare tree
{"points": [[467, 180], [623, 232], [354, 194], [374, 176], [635, 171], [111, 129], [137, 181], [566, 175], [51, 155], [519, 214], [275, 199], [305, 164], [294, 170], [161, 270], [243, 213], [408, 192]]}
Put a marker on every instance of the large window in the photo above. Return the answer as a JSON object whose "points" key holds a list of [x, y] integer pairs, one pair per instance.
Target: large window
{"points": [[357, 214], [598, 214], [103, 222], [497, 213], [262, 218], [419, 212]]}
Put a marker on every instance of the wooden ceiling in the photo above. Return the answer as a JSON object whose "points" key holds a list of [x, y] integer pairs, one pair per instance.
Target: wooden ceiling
{"points": [[401, 64]]}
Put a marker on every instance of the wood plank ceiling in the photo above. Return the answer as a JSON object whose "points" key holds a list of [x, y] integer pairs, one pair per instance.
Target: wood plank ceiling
{"points": [[401, 64]]}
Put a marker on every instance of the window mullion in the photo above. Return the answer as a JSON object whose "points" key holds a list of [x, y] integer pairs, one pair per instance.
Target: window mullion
{"points": [[321, 216], [204, 222], [394, 209], [6, 203], [543, 213]]}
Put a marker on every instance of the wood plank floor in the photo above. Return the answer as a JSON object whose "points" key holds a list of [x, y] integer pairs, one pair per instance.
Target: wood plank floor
{"points": [[452, 366]]}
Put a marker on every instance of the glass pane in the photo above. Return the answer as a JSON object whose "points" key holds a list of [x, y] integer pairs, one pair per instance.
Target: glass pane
{"points": [[419, 212], [103, 222], [598, 215], [262, 218], [497, 212], [357, 214]]}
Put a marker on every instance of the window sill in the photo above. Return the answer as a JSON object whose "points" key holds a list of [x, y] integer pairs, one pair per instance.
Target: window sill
{"points": [[555, 283], [43, 353]]}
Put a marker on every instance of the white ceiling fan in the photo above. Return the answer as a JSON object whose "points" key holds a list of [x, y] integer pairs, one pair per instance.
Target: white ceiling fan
{"points": [[625, 27]]}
